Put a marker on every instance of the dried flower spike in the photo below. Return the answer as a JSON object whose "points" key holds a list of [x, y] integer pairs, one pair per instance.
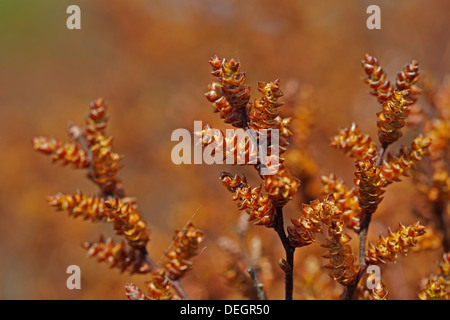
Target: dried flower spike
{"points": [[264, 111], [314, 216], [342, 262], [159, 286], [96, 121], [387, 249], [407, 79], [258, 206], [105, 164], [185, 245], [235, 147], [281, 187], [117, 255], [395, 166], [346, 200], [92, 149], [263, 114], [392, 119], [65, 153], [379, 292], [89, 207], [354, 143], [434, 290], [370, 184], [127, 221], [229, 95], [381, 88]]}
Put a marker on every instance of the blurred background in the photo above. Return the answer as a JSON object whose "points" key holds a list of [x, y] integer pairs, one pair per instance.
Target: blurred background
{"points": [[149, 61]]}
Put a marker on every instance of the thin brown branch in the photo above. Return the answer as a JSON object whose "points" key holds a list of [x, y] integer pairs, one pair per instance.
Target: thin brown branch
{"points": [[289, 250], [381, 154]]}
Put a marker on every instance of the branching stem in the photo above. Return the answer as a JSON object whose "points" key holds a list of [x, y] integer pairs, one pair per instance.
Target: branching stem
{"points": [[176, 284], [365, 223]]}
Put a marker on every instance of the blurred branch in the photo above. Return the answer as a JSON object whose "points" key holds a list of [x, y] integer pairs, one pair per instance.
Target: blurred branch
{"points": [[258, 285]]}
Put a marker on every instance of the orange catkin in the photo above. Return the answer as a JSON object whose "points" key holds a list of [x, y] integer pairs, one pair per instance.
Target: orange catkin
{"points": [[62, 152], [260, 209], [381, 88], [128, 222], [186, 242], [370, 184], [342, 262], [117, 255], [354, 143], [314, 217], [387, 249], [392, 119], [230, 94]]}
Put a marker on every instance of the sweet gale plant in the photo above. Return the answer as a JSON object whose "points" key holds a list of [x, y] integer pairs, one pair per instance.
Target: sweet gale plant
{"points": [[338, 216]]}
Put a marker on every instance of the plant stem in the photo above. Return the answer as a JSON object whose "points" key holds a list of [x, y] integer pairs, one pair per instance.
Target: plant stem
{"points": [[351, 289], [258, 285], [364, 227], [363, 237], [176, 284], [379, 160], [289, 272]]}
